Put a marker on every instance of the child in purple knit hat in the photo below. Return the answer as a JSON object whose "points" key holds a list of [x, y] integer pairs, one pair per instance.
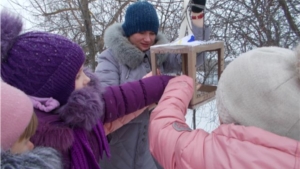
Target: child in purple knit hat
{"points": [[69, 102]]}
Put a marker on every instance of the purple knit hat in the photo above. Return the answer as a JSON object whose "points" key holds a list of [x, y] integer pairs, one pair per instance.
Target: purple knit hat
{"points": [[39, 63]]}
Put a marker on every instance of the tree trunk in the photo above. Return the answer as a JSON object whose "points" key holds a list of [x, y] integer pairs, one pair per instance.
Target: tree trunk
{"points": [[289, 17], [89, 37]]}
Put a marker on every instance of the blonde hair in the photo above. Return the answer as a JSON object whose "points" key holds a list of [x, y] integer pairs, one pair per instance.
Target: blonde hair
{"points": [[31, 128]]}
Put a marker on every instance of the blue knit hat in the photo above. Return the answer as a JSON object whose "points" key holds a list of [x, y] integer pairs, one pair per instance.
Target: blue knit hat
{"points": [[140, 16]]}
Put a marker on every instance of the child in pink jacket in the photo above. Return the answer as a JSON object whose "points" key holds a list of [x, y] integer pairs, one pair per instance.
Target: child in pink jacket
{"points": [[258, 101]]}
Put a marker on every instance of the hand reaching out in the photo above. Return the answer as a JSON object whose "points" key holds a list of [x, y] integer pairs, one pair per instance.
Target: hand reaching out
{"points": [[150, 74], [159, 73], [198, 86]]}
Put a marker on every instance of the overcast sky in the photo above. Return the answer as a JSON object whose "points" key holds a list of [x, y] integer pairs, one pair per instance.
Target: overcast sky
{"points": [[8, 4]]}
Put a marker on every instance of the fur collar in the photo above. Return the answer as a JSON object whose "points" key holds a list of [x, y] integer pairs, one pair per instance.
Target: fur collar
{"points": [[85, 106], [83, 110], [124, 51], [40, 157]]}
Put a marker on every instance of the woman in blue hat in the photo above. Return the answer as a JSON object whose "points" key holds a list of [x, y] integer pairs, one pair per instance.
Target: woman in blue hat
{"points": [[127, 58]]}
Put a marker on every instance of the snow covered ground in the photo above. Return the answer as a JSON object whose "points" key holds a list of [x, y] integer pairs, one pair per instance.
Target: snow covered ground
{"points": [[206, 117]]}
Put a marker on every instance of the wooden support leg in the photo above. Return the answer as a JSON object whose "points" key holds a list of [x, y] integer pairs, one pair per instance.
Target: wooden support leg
{"points": [[184, 60], [153, 63], [194, 119]]}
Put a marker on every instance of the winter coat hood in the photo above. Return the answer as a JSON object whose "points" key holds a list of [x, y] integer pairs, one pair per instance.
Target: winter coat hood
{"points": [[124, 51], [176, 146], [75, 128], [83, 109]]}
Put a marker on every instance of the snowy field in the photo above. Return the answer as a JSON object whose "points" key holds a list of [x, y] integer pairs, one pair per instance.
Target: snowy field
{"points": [[206, 117]]}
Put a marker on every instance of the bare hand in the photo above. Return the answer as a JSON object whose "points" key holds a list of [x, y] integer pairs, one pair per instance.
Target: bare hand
{"points": [[150, 74], [198, 86]]}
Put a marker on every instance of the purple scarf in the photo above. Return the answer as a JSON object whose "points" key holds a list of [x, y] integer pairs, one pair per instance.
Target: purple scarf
{"points": [[81, 153], [75, 129]]}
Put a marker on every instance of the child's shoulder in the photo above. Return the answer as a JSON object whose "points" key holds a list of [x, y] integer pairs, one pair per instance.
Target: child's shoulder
{"points": [[40, 157], [53, 132]]}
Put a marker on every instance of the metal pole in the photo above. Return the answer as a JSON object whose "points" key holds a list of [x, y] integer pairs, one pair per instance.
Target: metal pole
{"points": [[194, 119]]}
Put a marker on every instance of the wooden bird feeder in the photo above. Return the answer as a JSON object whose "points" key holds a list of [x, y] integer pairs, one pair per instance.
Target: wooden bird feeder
{"points": [[188, 53]]}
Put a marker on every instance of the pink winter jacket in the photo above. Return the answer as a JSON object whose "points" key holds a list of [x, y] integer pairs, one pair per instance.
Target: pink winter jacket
{"points": [[175, 145]]}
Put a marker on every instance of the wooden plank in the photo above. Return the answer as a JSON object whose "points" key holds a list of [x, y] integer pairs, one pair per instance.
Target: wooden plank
{"points": [[189, 52], [153, 63], [184, 64]]}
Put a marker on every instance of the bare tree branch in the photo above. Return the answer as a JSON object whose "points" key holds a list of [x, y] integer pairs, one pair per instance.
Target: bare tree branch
{"points": [[289, 18]]}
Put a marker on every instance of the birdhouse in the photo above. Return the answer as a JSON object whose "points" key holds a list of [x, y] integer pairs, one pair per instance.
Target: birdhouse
{"points": [[189, 52]]}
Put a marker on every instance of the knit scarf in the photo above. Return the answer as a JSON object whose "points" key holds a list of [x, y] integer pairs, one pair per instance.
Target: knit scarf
{"points": [[81, 153], [75, 128]]}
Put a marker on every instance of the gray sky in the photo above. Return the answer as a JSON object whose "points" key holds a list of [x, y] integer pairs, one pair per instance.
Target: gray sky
{"points": [[8, 4]]}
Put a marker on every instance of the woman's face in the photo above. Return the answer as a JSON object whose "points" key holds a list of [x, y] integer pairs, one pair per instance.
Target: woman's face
{"points": [[81, 79], [143, 40]]}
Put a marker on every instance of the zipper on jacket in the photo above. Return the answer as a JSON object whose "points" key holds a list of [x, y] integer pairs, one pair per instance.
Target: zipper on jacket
{"points": [[149, 60], [127, 75]]}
